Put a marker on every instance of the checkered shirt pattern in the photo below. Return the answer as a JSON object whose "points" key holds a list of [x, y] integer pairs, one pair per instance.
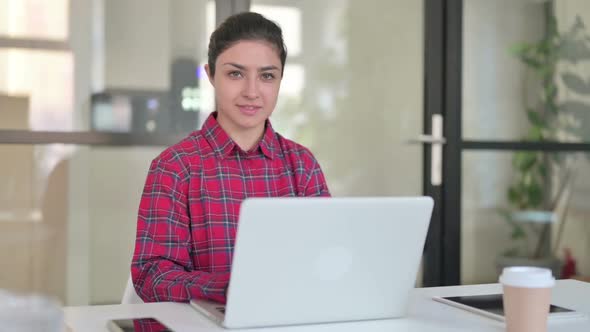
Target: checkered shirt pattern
{"points": [[188, 213]]}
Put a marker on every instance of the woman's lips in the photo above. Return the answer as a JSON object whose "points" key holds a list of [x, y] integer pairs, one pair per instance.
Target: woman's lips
{"points": [[249, 109]]}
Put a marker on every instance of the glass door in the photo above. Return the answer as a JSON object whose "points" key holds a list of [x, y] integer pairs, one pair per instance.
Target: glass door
{"points": [[517, 77]]}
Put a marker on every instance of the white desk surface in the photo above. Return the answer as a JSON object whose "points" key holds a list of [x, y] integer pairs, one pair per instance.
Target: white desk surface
{"points": [[424, 314]]}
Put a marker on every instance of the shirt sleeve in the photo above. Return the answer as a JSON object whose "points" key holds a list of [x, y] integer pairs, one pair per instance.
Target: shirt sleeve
{"points": [[316, 182], [162, 268]]}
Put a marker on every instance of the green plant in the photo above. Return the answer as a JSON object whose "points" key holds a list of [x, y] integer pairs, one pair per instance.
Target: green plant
{"points": [[541, 178]]}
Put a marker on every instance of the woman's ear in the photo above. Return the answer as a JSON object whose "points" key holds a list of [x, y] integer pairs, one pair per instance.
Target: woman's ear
{"points": [[208, 71]]}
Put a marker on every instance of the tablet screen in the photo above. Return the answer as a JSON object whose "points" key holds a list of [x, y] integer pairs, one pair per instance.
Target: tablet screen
{"points": [[127, 325], [492, 303]]}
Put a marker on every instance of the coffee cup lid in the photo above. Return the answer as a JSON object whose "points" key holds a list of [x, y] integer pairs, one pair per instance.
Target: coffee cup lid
{"points": [[527, 277]]}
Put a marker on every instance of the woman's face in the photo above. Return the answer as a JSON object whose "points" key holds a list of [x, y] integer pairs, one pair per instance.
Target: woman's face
{"points": [[247, 81]]}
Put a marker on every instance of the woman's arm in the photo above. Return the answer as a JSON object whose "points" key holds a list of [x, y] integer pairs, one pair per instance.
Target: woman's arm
{"points": [[316, 182], [162, 268]]}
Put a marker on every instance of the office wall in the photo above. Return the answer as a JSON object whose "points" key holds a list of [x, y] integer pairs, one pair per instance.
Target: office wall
{"points": [[141, 39], [137, 43], [136, 56], [16, 200], [32, 225], [115, 180], [83, 14], [360, 98], [386, 61]]}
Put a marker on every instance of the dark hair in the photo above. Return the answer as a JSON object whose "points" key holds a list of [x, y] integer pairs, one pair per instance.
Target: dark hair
{"points": [[245, 26]]}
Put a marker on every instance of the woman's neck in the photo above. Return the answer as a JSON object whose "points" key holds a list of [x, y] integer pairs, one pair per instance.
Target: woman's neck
{"points": [[246, 139]]}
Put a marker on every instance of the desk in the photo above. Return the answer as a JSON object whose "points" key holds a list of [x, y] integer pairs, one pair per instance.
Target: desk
{"points": [[425, 315]]}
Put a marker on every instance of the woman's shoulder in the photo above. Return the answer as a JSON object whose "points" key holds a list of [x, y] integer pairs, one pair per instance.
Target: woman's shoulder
{"points": [[295, 151], [188, 151]]}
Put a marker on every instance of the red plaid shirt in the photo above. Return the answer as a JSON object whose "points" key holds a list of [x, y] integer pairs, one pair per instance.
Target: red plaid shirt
{"points": [[188, 214]]}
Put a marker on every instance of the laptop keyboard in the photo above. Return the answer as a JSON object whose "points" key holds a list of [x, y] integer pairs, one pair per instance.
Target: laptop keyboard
{"points": [[221, 309]]}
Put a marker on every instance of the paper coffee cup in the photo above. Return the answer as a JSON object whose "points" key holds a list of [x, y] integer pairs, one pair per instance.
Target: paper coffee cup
{"points": [[527, 297], [527, 277]]}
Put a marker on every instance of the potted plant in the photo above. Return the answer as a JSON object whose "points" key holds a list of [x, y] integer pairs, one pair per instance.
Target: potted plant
{"points": [[542, 180]]}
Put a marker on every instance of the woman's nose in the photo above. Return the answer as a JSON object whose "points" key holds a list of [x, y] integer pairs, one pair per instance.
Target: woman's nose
{"points": [[250, 90]]}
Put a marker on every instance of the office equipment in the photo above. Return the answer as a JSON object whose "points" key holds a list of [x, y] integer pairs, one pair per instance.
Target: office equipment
{"points": [[185, 103], [312, 260], [127, 325], [127, 110], [491, 306]]}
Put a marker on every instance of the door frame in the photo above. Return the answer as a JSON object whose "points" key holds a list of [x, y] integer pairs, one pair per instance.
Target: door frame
{"points": [[442, 95]]}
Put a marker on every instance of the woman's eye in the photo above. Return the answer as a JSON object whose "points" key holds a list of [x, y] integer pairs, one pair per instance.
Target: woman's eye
{"points": [[268, 76], [235, 74]]}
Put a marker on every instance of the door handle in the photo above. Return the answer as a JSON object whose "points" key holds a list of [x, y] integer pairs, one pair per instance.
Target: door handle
{"points": [[436, 139], [428, 139]]}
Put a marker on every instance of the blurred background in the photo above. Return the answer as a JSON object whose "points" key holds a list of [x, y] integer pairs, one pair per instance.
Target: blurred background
{"points": [[92, 90]]}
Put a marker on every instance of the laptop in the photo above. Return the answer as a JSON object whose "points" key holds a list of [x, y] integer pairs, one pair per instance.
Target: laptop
{"points": [[320, 260]]}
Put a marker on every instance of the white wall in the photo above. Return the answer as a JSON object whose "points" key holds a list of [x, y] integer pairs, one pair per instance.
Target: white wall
{"points": [[137, 43], [141, 40], [361, 96], [115, 181], [188, 35], [386, 80], [81, 40]]}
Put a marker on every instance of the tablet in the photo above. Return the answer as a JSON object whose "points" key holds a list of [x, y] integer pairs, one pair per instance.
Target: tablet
{"points": [[491, 306], [127, 325]]}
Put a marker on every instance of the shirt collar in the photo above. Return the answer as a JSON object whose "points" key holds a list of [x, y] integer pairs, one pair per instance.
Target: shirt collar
{"points": [[223, 145]]}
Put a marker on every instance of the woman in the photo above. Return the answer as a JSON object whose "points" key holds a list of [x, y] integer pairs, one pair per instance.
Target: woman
{"points": [[189, 209]]}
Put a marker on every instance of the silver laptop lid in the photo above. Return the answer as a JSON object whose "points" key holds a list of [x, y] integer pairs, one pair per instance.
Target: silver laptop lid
{"points": [[311, 260]]}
